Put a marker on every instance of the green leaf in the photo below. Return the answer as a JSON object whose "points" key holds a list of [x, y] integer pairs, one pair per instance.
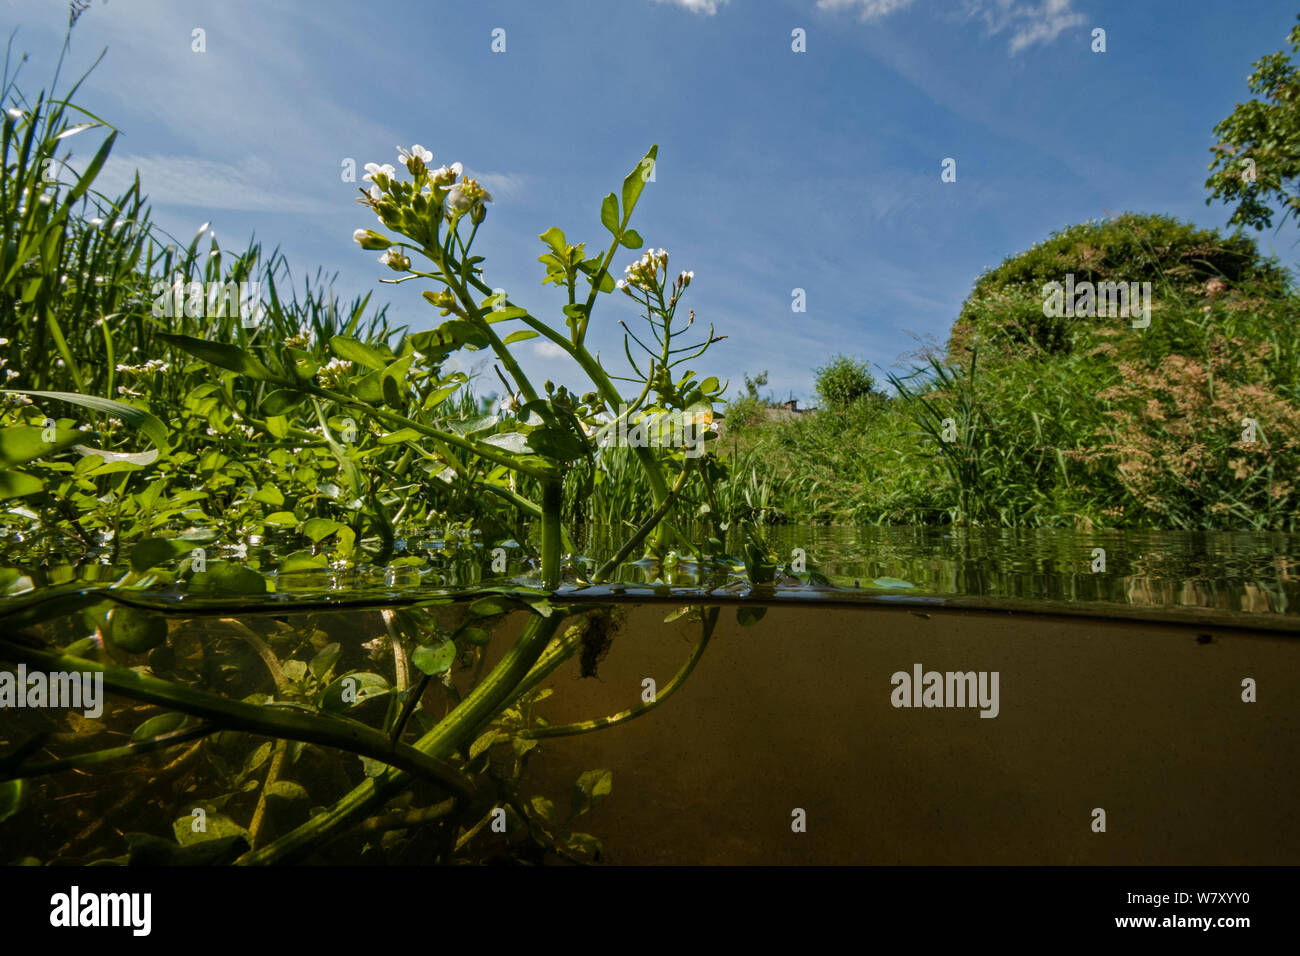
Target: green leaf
{"points": [[16, 484], [516, 442], [746, 616], [285, 519], [359, 353], [402, 434], [12, 794], [281, 400], [222, 577], [554, 237], [20, 443], [152, 552], [137, 418], [370, 388], [434, 658], [892, 583], [609, 213], [135, 631], [632, 239], [268, 494], [217, 826], [159, 725], [490, 607], [326, 658], [591, 788], [352, 689], [303, 561], [477, 636], [586, 844], [636, 180], [520, 336], [223, 355], [545, 809], [317, 529], [558, 444], [287, 790]]}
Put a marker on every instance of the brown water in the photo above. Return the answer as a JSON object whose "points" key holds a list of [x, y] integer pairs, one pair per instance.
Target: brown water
{"points": [[1142, 720]]}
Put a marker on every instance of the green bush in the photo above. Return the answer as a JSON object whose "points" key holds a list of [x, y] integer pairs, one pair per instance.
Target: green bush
{"points": [[1003, 316], [843, 382]]}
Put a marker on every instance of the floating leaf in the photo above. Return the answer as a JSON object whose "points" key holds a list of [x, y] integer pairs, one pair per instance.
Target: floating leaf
{"points": [[222, 577], [152, 552], [892, 583]]}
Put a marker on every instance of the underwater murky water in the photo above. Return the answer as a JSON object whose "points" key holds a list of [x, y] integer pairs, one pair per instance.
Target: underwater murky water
{"points": [[976, 698]]}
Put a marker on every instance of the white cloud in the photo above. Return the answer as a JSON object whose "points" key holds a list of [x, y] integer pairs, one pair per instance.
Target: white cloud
{"points": [[500, 185], [871, 9], [548, 350], [706, 7], [1028, 22]]}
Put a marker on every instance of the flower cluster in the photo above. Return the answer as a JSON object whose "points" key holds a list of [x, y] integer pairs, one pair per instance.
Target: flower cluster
{"points": [[644, 273], [333, 371], [153, 365], [417, 208], [300, 341]]}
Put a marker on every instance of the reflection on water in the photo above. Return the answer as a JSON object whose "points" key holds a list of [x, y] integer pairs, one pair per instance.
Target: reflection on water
{"points": [[1229, 572]]}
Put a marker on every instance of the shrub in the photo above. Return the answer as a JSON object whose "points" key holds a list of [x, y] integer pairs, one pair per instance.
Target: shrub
{"points": [[843, 382]]}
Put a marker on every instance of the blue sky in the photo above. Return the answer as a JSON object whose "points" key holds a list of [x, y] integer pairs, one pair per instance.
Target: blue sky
{"points": [[777, 170]]}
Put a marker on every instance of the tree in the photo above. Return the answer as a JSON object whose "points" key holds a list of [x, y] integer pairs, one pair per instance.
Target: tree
{"points": [[1257, 159]]}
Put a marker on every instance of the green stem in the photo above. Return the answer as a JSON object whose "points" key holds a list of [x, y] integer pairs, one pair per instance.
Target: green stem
{"points": [[458, 727], [600, 723], [552, 532], [320, 729]]}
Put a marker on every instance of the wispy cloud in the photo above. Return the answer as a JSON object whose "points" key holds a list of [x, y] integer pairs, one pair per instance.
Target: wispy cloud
{"points": [[869, 9], [705, 7], [500, 185], [190, 181], [1027, 22]]}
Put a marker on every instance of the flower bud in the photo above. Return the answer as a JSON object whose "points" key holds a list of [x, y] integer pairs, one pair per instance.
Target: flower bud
{"points": [[369, 239], [395, 261]]}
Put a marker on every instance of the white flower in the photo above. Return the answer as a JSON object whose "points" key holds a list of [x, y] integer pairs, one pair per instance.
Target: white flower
{"points": [[446, 175], [466, 195], [16, 114], [416, 152], [374, 169]]}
